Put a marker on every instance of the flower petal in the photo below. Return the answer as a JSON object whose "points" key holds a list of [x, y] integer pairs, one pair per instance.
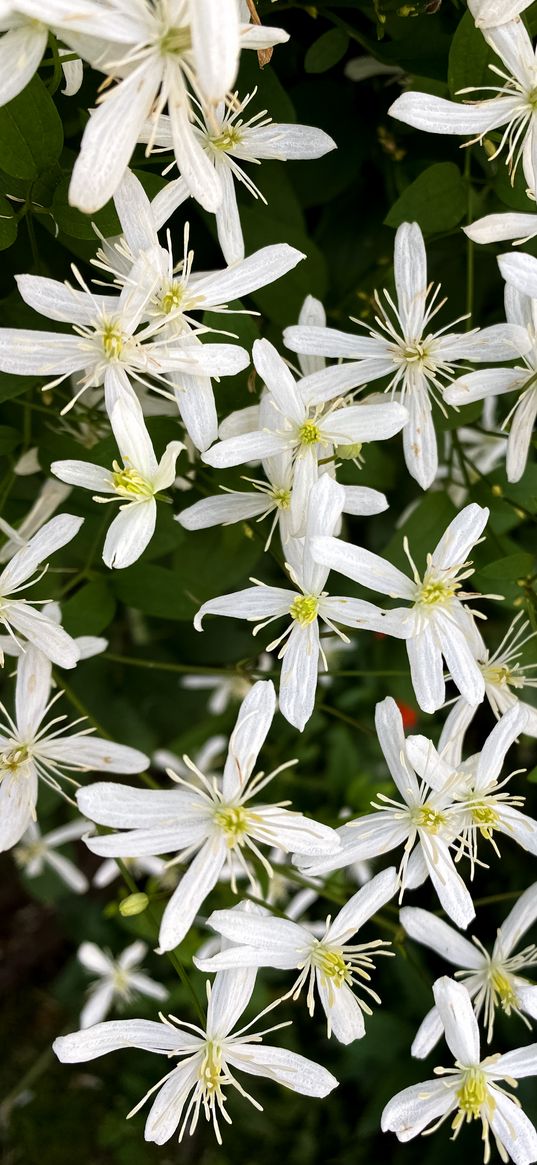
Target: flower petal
{"points": [[249, 734], [460, 1024]]}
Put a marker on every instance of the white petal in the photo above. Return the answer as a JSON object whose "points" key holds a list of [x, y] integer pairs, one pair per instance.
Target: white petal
{"points": [[286, 1068], [136, 214], [124, 807], [167, 1108], [94, 959], [230, 995], [51, 537], [460, 1024], [436, 115], [518, 921], [460, 536], [18, 798], [28, 353], [133, 440], [215, 42], [21, 50], [228, 223], [253, 603], [223, 509], [433, 932], [518, 1064], [487, 13], [246, 741], [498, 228], [285, 141], [513, 1129], [362, 501], [130, 532], [521, 271], [389, 728], [428, 762], [343, 1012], [486, 383], [362, 566], [60, 301], [502, 737], [32, 691], [97, 1006], [194, 164], [279, 380], [300, 668], [378, 834], [457, 651], [68, 872], [410, 271], [85, 474], [419, 437], [195, 885], [368, 900], [196, 404], [426, 668], [409, 1112], [520, 435], [452, 892], [428, 1034], [79, 1047], [251, 446], [43, 633], [93, 753], [258, 270], [364, 422], [273, 936], [293, 832]]}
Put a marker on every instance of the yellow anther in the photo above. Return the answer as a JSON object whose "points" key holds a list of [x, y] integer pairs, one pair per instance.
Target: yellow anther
{"points": [[130, 484], [172, 298], [176, 41], [233, 821], [502, 987], [435, 591], [429, 818], [473, 1094], [309, 433], [112, 341], [282, 498], [304, 609], [332, 965], [227, 140]]}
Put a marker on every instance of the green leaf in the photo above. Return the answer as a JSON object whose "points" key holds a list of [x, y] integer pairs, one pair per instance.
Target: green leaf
{"points": [[73, 222], [12, 386], [90, 610], [436, 200], [8, 224], [469, 58], [9, 438], [326, 51], [31, 133]]}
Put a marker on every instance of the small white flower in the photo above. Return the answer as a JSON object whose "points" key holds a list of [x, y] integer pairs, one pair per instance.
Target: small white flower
{"points": [[214, 821], [472, 1090], [230, 140], [135, 484], [208, 1059], [148, 867], [482, 808], [30, 750], [331, 962], [520, 271], [25, 30], [417, 362], [158, 53], [420, 822], [491, 980], [120, 980], [50, 496], [513, 106], [225, 689], [37, 850], [19, 616], [308, 606], [437, 625]]}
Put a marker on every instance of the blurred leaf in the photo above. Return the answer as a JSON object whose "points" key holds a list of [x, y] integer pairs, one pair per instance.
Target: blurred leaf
{"points": [[437, 200], [469, 59], [31, 133], [90, 610], [8, 224], [326, 51]]}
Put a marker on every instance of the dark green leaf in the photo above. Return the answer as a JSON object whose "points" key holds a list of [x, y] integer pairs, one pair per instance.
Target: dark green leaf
{"points": [[326, 51], [31, 133], [437, 200]]}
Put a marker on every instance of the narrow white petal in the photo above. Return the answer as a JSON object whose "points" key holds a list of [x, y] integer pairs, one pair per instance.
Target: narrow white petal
{"points": [[362, 566], [253, 603], [460, 1024], [91, 752], [460, 536], [286, 1068], [222, 509], [426, 669], [79, 1047], [18, 798], [133, 440], [428, 1034], [518, 921], [513, 1129], [195, 885], [228, 222], [409, 1112], [410, 271], [32, 691], [300, 669], [130, 532], [254, 720], [21, 50], [452, 892], [499, 228], [368, 900], [502, 737], [167, 1108], [389, 727], [84, 474], [230, 995], [215, 42], [97, 1006], [433, 932], [342, 1010], [436, 115]]}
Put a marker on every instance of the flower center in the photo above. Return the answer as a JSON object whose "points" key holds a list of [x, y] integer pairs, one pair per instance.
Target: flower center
{"points": [[332, 965], [503, 676], [233, 821], [472, 1095], [429, 818], [304, 609], [485, 818], [210, 1073], [309, 433], [112, 341], [172, 298], [13, 758], [128, 483], [414, 353], [176, 41], [227, 140], [435, 591], [502, 987], [282, 498]]}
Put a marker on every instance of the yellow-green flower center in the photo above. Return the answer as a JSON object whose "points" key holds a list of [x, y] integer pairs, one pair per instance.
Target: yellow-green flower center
{"points": [[282, 498], [309, 433], [304, 609], [414, 353], [176, 41], [172, 298], [332, 965], [485, 817], [210, 1072], [473, 1094], [128, 483], [502, 987], [227, 140], [429, 818], [12, 758], [112, 341], [435, 591], [233, 821]]}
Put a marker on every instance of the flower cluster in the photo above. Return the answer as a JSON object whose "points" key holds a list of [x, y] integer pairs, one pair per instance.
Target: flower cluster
{"points": [[145, 335]]}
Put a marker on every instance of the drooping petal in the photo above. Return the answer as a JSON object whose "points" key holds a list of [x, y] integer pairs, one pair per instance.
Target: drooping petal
{"points": [[193, 162], [195, 885], [343, 1012], [462, 664], [502, 737], [300, 668], [132, 437], [452, 892], [130, 532], [215, 42], [520, 435], [246, 741], [419, 436], [51, 537], [433, 932], [426, 669], [18, 798], [228, 222], [460, 1024], [167, 1108], [42, 632], [368, 900], [513, 1128]]}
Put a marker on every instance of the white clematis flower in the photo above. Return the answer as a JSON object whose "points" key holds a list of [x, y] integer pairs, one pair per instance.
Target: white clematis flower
{"points": [[230, 140], [208, 1059], [308, 606], [107, 346], [25, 26], [417, 362], [437, 625], [492, 980], [160, 54], [37, 850], [421, 821], [472, 1090], [213, 821], [135, 484], [331, 963], [120, 980], [31, 749], [482, 808], [512, 107], [520, 271], [298, 429], [19, 616]]}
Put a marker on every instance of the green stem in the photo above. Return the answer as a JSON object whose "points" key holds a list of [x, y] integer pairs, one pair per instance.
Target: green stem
{"points": [[345, 719], [470, 249], [165, 665]]}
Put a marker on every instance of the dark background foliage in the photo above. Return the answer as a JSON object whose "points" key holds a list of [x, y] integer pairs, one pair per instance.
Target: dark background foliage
{"points": [[341, 211]]}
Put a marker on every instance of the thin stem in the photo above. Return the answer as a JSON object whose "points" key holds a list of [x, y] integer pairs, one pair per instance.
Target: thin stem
{"points": [[345, 719], [166, 665], [470, 249]]}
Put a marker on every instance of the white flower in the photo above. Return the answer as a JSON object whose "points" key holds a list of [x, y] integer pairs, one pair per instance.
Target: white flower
{"points": [[25, 29], [213, 821], [491, 980], [86, 645], [521, 309], [134, 484], [471, 1090], [437, 625], [208, 1059], [229, 140], [51, 495], [207, 759], [308, 605], [332, 963], [159, 53], [19, 616], [418, 363], [512, 106], [504, 677], [224, 689], [491, 13], [176, 291], [119, 980], [300, 430], [109, 870], [30, 750], [481, 808], [107, 346], [37, 850], [420, 822]]}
